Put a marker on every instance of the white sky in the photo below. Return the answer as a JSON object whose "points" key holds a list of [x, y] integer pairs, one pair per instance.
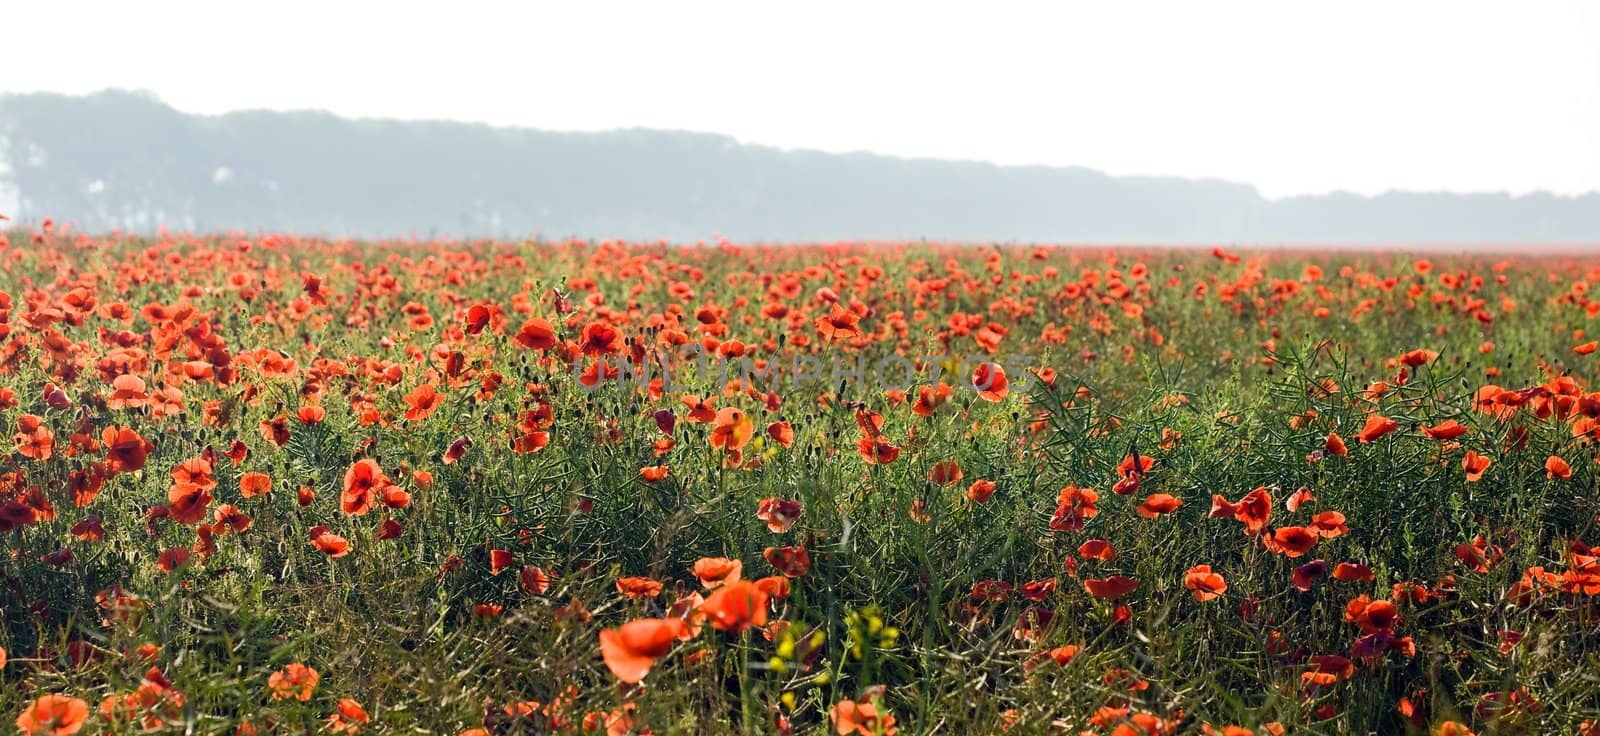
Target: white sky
{"points": [[1293, 97]]}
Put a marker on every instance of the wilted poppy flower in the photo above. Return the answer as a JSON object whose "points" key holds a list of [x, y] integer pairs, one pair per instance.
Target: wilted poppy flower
{"points": [[632, 649], [1305, 574], [1300, 497], [1480, 555]]}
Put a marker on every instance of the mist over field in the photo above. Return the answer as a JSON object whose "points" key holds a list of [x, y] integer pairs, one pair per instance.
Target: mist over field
{"points": [[127, 160]]}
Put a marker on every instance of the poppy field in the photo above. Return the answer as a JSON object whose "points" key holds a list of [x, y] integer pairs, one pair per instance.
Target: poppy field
{"points": [[275, 484]]}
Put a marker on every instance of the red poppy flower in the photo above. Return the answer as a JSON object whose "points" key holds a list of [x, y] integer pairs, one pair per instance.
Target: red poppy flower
{"points": [[632, 649], [1206, 584], [1110, 588]]}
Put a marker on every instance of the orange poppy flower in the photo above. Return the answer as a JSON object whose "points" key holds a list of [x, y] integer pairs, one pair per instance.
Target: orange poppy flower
{"points": [[839, 324], [536, 334], [714, 571], [980, 491], [1334, 445], [1097, 549], [329, 543], [187, 503], [254, 484], [128, 392], [731, 430], [1372, 616], [125, 449], [54, 715], [781, 433], [1157, 504], [791, 562], [348, 717], [1448, 429], [1352, 572], [945, 473], [736, 606], [1206, 584], [534, 579], [861, 719], [1555, 467], [422, 402], [1377, 426], [636, 588], [1254, 510], [1419, 358], [362, 482], [33, 439], [779, 513], [1586, 348], [295, 681], [990, 380], [1110, 588], [632, 649], [654, 473], [1075, 507], [1474, 465], [499, 560], [1289, 541]]}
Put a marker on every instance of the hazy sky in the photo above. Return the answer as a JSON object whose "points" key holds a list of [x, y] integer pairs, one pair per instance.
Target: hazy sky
{"points": [[1293, 97]]}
